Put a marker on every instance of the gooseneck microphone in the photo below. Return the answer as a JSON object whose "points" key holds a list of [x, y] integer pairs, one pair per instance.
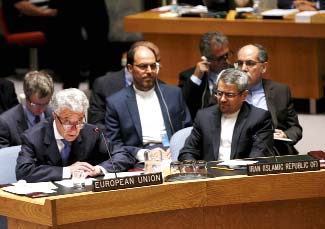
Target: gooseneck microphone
{"points": [[98, 131], [256, 137]]}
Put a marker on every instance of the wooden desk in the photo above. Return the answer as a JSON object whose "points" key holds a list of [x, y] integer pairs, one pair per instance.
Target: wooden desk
{"points": [[293, 200], [296, 51]]}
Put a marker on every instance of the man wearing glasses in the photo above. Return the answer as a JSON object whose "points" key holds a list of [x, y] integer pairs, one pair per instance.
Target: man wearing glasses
{"points": [[56, 147], [271, 96], [38, 89], [232, 128], [197, 83], [147, 113]]}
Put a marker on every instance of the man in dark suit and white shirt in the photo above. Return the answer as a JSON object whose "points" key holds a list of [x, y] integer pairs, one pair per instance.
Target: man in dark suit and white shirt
{"points": [[197, 83], [56, 147], [38, 89], [109, 84], [232, 128], [147, 113], [272, 96]]}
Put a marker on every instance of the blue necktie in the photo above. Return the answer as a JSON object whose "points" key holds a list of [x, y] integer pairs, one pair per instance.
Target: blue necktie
{"points": [[65, 152], [37, 119]]}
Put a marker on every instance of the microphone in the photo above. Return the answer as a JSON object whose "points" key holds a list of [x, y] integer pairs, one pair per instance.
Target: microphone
{"points": [[256, 137], [98, 131]]}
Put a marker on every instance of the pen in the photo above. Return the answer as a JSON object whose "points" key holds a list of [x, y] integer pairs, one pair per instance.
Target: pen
{"points": [[222, 168]]}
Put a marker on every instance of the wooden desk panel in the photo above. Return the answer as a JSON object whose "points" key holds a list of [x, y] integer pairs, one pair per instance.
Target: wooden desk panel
{"points": [[293, 200], [296, 51]]}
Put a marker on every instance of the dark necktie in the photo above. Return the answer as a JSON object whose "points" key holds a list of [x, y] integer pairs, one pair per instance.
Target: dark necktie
{"points": [[37, 119], [65, 152]]}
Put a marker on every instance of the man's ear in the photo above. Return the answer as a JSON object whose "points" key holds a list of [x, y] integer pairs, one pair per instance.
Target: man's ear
{"points": [[244, 94], [264, 67], [130, 68]]}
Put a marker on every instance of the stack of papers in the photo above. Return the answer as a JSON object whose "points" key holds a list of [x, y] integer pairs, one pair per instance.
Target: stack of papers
{"points": [[279, 13], [23, 188]]}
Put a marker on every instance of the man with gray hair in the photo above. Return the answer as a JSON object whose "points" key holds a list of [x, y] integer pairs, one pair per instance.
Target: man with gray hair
{"points": [[197, 83], [38, 89], [56, 147], [232, 128]]}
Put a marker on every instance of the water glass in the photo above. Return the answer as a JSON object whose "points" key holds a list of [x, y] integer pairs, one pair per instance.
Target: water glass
{"points": [[175, 167], [187, 166], [78, 178], [152, 162]]}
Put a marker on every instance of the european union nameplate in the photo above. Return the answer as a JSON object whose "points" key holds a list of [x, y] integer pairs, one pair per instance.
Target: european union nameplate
{"points": [[127, 182], [282, 167]]}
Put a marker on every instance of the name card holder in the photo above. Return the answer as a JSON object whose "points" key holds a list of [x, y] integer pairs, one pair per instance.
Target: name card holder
{"points": [[282, 167], [127, 182]]}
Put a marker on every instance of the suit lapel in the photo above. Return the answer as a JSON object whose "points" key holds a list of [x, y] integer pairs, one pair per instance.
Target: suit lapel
{"points": [[269, 96], [51, 145], [132, 106], [163, 108], [216, 132], [240, 122], [21, 121]]}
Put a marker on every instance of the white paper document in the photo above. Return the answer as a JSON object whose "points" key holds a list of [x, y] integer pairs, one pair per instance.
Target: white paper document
{"points": [[122, 174], [232, 163], [23, 188]]}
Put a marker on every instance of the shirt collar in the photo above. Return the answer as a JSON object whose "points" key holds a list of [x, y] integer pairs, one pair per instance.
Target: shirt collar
{"points": [[144, 93], [257, 87], [128, 77], [57, 135]]}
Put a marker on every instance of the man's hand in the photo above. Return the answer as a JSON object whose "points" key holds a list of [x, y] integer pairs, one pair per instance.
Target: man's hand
{"points": [[96, 172], [201, 68], [304, 5], [165, 153], [82, 166]]}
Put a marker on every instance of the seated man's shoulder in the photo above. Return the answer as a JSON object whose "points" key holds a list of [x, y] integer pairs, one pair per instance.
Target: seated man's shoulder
{"points": [[276, 85], [12, 113]]}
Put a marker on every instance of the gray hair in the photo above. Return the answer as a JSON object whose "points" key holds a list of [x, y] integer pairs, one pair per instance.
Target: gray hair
{"points": [[262, 55], [72, 99], [39, 83], [210, 40], [234, 76]]}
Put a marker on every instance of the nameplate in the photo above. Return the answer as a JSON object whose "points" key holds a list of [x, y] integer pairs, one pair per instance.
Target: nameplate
{"points": [[282, 167], [127, 182]]}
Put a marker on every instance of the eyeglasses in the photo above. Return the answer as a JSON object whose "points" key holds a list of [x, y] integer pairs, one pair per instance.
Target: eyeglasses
{"points": [[144, 67], [248, 63], [79, 125], [228, 95], [38, 104], [224, 57]]}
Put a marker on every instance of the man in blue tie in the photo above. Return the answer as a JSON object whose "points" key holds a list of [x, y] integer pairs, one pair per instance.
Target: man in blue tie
{"points": [[56, 147], [38, 89]]}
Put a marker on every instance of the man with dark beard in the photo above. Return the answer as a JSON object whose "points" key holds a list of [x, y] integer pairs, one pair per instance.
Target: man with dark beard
{"points": [[147, 113]]}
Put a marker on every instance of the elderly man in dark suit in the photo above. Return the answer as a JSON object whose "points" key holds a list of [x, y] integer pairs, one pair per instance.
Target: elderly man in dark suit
{"points": [[54, 148], [147, 113], [271, 96], [232, 128], [8, 97], [109, 84], [38, 90], [197, 83]]}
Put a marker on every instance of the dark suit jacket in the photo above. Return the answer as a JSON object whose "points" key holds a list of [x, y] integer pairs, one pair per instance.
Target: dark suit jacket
{"points": [[12, 124], [40, 159], [284, 116], [104, 86], [122, 120], [204, 140], [8, 97], [196, 97]]}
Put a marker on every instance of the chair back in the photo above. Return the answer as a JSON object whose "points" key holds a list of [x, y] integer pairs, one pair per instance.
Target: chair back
{"points": [[8, 160], [177, 141]]}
